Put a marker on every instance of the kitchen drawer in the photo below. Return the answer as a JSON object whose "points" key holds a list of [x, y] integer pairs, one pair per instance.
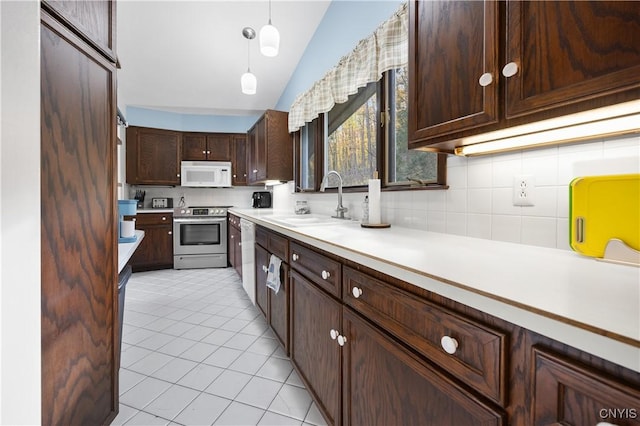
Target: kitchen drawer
{"points": [[325, 272], [153, 219], [478, 360], [234, 221], [274, 243]]}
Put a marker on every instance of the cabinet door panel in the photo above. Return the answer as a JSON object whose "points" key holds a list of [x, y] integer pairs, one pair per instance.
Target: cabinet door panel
{"points": [[194, 147], [155, 250], [219, 147], [261, 150], [79, 252], [569, 394], [317, 358], [262, 263], [279, 309], [385, 384], [451, 44], [569, 52], [153, 156], [239, 165]]}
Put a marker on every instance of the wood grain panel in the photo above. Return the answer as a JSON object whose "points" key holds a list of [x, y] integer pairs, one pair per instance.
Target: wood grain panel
{"points": [[311, 263], [570, 51], [153, 156], [385, 384], [568, 393], [279, 309], [451, 44], [317, 358], [480, 359], [93, 20], [239, 166], [156, 249], [262, 297], [194, 147], [219, 147], [79, 217], [279, 146]]}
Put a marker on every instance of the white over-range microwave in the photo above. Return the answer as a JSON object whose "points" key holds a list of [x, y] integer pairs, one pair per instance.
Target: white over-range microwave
{"points": [[205, 173]]}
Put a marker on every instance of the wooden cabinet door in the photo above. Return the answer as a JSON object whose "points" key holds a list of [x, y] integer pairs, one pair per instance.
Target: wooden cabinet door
{"points": [[251, 155], [260, 165], [194, 147], [153, 156], [94, 19], [316, 356], [219, 147], [568, 52], [155, 250], [238, 252], [571, 394], [385, 384], [233, 236], [79, 231], [239, 159], [451, 44], [279, 309], [262, 297]]}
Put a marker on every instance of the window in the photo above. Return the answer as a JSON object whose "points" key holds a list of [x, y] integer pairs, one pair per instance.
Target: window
{"points": [[356, 139]]}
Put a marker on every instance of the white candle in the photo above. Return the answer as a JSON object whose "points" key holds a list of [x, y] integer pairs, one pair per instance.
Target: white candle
{"points": [[374, 201]]}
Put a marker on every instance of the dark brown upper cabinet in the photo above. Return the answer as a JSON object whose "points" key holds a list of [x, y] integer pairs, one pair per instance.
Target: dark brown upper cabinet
{"points": [[476, 67], [206, 147], [270, 149], [94, 21], [153, 156], [239, 159]]}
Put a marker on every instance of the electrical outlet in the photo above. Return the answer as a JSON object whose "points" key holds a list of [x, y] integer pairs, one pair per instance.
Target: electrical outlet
{"points": [[523, 190]]}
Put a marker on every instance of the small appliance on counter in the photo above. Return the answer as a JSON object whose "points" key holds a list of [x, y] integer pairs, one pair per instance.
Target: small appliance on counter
{"points": [[126, 228], [139, 197], [162, 203], [261, 200]]}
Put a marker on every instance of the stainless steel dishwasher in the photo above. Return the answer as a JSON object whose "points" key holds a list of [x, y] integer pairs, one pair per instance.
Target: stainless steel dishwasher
{"points": [[248, 258]]}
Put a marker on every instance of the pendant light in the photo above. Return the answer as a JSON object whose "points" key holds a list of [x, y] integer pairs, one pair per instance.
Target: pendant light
{"points": [[269, 38], [248, 80]]}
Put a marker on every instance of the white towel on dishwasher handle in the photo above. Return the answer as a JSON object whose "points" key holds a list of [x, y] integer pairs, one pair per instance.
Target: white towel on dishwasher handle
{"points": [[273, 275]]}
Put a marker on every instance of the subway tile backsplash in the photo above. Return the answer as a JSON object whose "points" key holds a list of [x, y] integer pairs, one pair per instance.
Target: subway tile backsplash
{"points": [[479, 201]]}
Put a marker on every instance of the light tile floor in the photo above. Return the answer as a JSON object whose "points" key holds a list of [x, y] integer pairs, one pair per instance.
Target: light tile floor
{"points": [[195, 351]]}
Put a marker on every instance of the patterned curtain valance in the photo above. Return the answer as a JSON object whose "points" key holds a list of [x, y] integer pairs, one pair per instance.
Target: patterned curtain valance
{"points": [[385, 49]]}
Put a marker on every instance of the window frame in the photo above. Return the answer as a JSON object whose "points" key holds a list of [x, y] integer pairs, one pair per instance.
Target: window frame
{"points": [[382, 150]]}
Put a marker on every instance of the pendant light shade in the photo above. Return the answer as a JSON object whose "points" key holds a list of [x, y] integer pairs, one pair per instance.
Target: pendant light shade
{"points": [[269, 38], [248, 81]]}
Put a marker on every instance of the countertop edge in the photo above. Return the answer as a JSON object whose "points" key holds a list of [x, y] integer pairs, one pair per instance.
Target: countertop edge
{"points": [[608, 345], [126, 250]]}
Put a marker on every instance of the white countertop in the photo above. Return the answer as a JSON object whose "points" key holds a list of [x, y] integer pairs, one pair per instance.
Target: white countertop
{"points": [[125, 250], [154, 211], [585, 303]]}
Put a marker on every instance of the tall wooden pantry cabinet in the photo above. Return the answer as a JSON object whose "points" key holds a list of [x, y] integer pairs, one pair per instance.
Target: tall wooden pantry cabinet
{"points": [[80, 342]]}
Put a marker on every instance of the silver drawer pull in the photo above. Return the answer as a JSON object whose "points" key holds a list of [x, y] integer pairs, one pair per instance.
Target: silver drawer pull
{"points": [[325, 275], [334, 334], [295, 257], [356, 292], [170, 233], [164, 218], [449, 344], [204, 152]]}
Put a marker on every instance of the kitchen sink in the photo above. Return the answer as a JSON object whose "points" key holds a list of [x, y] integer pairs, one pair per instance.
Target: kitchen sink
{"points": [[294, 221]]}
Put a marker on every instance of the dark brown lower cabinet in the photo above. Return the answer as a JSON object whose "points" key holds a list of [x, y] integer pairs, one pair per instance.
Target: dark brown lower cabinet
{"points": [[156, 249], [315, 354], [567, 393], [262, 297], [385, 384], [79, 298], [279, 308]]}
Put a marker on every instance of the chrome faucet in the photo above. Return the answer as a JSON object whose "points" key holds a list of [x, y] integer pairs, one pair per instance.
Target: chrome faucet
{"points": [[340, 210]]}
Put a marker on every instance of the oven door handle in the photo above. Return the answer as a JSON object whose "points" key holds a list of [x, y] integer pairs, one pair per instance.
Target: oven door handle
{"points": [[203, 221]]}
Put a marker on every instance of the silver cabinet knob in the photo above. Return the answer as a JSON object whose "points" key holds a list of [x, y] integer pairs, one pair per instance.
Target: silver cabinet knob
{"points": [[255, 171], [239, 244], [232, 236], [178, 175], [295, 257], [356, 292], [342, 340], [334, 334], [234, 176], [208, 152], [170, 233], [164, 218], [325, 275], [510, 69], [485, 79], [449, 344], [204, 152]]}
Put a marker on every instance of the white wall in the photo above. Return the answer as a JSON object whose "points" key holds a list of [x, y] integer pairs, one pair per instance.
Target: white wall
{"points": [[479, 204], [20, 212]]}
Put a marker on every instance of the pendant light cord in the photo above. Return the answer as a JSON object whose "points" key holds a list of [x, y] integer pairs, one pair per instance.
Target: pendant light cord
{"points": [[269, 12]]}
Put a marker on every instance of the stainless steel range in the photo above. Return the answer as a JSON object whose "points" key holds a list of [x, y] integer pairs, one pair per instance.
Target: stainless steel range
{"points": [[200, 237]]}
